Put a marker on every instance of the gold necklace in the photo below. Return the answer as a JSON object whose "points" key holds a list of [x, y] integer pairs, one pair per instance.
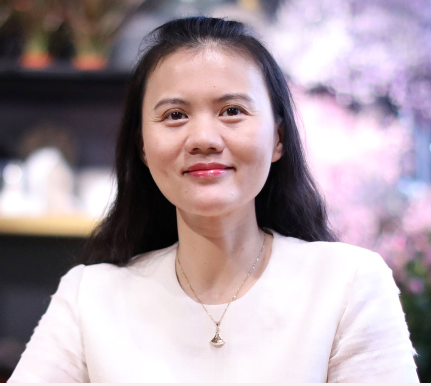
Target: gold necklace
{"points": [[217, 341]]}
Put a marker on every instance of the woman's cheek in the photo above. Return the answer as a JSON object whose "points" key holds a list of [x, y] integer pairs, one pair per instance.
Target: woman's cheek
{"points": [[253, 153], [160, 156]]}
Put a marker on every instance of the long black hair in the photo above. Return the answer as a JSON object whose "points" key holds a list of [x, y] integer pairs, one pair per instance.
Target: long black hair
{"points": [[141, 219]]}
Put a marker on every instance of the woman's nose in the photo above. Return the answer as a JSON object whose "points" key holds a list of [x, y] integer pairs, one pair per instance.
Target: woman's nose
{"points": [[203, 137]]}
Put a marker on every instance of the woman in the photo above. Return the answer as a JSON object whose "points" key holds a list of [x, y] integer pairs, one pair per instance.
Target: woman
{"points": [[236, 276]]}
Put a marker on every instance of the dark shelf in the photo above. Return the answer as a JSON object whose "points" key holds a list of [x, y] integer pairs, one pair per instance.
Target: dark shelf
{"points": [[86, 104], [61, 83]]}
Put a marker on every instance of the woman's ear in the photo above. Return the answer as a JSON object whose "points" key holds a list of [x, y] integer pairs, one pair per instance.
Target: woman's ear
{"points": [[278, 143], [140, 145]]}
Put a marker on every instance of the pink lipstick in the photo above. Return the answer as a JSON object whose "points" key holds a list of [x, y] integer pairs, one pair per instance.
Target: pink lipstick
{"points": [[207, 170]]}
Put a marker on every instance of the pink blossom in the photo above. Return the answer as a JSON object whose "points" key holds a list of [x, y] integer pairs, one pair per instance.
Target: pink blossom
{"points": [[416, 285], [357, 161]]}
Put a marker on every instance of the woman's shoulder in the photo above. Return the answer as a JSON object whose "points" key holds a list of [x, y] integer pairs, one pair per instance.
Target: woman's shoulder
{"points": [[331, 269], [324, 256], [144, 264]]}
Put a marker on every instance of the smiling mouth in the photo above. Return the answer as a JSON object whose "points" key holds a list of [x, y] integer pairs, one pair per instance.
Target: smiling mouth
{"points": [[208, 170]]}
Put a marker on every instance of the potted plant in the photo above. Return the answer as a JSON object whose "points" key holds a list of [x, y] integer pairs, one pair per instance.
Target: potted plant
{"points": [[94, 24]]}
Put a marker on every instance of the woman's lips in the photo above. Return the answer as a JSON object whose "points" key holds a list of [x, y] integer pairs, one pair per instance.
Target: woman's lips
{"points": [[208, 173], [207, 170]]}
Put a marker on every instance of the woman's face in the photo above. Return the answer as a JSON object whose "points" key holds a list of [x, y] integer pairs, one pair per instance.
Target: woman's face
{"points": [[208, 130]]}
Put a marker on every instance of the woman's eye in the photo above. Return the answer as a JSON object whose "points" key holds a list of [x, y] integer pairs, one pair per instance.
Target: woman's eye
{"points": [[232, 111], [176, 115]]}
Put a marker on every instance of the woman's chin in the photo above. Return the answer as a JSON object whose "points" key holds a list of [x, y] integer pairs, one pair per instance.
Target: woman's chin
{"points": [[211, 208]]}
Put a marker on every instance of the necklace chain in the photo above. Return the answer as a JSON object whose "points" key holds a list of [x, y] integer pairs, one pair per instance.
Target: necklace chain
{"points": [[234, 296]]}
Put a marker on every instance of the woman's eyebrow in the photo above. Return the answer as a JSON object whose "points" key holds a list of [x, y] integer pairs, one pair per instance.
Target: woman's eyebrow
{"points": [[229, 97], [171, 101]]}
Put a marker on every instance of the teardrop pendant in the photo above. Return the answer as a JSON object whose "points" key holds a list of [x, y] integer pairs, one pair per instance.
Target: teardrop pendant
{"points": [[217, 341]]}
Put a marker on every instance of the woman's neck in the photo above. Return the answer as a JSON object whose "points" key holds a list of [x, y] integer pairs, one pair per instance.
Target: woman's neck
{"points": [[217, 253]]}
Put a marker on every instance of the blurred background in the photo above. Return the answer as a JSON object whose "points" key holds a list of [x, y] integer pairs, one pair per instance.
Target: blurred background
{"points": [[360, 73]]}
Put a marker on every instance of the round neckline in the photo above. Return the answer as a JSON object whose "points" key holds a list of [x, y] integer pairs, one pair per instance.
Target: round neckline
{"points": [[261, 279]]}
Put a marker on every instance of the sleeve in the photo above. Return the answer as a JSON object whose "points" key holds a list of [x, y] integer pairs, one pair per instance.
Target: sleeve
{"points": [[372, 341], [55, 352]]}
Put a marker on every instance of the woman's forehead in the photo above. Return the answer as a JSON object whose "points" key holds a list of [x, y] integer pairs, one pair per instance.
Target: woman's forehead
{"points": [[208, 70], [211, 51]]}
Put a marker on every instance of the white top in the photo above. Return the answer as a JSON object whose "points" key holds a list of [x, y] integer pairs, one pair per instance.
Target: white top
{"points": [[320, 312]]}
